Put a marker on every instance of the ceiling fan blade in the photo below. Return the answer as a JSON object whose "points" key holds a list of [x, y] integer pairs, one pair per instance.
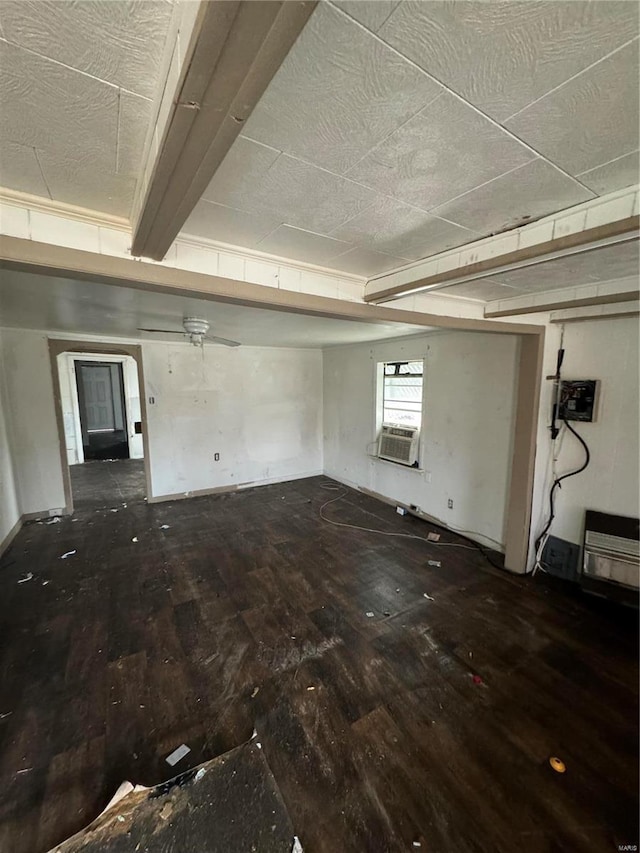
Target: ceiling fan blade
{"points": [[163, 331], [224, 341]]}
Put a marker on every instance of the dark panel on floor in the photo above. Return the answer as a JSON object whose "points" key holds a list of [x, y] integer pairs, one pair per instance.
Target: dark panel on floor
{"points": [[249, 611]]}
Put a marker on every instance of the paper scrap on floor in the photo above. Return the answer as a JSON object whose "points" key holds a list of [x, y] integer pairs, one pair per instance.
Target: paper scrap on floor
{"points": [[177, 754]]}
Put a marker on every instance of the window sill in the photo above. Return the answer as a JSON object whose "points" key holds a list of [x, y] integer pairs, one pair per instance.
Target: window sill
{"points": [[396, 464]]}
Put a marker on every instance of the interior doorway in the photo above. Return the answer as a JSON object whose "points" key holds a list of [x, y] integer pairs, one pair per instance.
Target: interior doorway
{"points": [[101, 407], [100, 410]]}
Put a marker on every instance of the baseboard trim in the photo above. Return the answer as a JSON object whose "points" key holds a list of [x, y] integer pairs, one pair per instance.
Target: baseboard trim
{"points": [[425, 516], [11, 535], [232, 487]]}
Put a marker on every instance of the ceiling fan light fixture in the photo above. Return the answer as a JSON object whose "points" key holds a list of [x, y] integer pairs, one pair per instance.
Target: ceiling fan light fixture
{"points": [[196, 329]]}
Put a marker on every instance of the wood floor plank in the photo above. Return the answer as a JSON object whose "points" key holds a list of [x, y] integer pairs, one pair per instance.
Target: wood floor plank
{"points": [[247, 611]]}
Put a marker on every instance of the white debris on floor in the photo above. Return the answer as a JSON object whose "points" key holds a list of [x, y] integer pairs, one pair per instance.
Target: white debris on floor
{"points": [[178, 754]]}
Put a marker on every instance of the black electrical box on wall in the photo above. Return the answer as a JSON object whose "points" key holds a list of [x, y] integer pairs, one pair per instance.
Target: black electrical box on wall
{"points": [[578, 399]]}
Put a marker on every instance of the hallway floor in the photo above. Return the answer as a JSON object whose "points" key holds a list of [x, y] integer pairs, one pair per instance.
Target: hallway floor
{"points": [[107, 483]]}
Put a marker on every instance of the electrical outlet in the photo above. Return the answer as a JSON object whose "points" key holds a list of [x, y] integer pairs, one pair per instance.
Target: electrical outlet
{"points": [[450, 503], [216, 457]]}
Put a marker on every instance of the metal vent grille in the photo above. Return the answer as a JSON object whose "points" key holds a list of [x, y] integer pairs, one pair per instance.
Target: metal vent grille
{"points": [[612, 544], [400, 432], [396, 448]]}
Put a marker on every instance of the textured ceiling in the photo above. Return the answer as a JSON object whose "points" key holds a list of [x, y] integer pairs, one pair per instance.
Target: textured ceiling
{"points": [[396, 130], [605, 264], [76, 83], [393, 130], [29, 301]]}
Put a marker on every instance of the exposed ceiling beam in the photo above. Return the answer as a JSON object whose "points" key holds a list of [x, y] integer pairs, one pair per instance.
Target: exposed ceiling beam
{"points": [[596, 312], [235, 49], [552, 300], [603, 221], [48, 259], [528, 256]]}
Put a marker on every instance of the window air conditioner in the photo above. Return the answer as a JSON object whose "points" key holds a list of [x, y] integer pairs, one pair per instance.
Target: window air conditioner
{"points": [[399, 444]]}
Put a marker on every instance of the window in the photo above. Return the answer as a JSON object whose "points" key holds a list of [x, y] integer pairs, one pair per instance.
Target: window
{"points": [[402, 393]]}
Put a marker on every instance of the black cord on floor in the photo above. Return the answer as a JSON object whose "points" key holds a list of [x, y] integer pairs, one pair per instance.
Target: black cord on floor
{"points": [[557, 483]]}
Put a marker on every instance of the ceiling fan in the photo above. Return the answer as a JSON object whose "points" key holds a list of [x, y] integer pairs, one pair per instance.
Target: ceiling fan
{"points": [[196, 329]]}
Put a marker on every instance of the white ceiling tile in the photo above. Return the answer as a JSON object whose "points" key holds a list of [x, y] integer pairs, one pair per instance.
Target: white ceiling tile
{"points": [[301, 195], [366, 262], [371, 13], [616, 175], [338, 93], [527, 193], [84, 183], [627, 285], [302, 245], [398, 229], [244, 166], [503, 56], [612, 262], [482, 289], [134, 116], [48, 106], [120, 41], [542, 277], [216, 222], [590, 120], [19, 169], [446, 150], [605, 264]]}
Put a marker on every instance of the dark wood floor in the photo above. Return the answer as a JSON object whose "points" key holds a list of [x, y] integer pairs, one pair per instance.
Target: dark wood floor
{"points": [[108, 483], [248, 611]]}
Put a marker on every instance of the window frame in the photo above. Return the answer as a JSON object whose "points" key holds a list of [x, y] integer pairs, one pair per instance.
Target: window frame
{"points": [[378, 413], [388, 401]]}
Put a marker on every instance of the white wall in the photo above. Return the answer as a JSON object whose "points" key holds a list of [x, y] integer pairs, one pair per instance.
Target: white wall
{"points": [[606, 350], [260, 408], [469, 389], [9, 506], [70, 408], [32, 421]]}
